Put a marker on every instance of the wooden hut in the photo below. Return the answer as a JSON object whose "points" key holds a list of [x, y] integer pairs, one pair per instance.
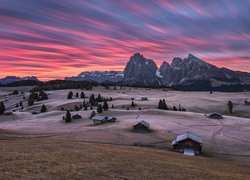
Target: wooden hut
{"points": [[187, 143], [99, 119], [142, 126]]}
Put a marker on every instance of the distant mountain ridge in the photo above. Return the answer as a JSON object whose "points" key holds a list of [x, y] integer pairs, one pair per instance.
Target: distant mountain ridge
{"points": [[187, 72], [98, 76], [12, 79]]}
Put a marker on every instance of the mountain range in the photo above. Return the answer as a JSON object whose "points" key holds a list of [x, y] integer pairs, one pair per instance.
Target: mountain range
{"points": [[12, 79], [189, 71]]}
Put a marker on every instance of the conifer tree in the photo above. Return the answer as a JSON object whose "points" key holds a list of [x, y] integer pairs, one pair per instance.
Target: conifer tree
{"points": [[105, 106], [77, 95], [68, 117], [99, 108], [92, 114], [43, 109], [70, 95], [160, 105], [82, 95], [230, 107], [2, 108], [133, 104]]}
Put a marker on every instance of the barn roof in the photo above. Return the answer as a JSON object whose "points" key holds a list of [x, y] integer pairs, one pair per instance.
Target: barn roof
{"points": [[99, 118], [185, 136]]}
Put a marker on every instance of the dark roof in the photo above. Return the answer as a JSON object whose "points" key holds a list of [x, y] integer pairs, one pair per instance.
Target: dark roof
{"points": [[214, 114], [99, 118], [186, 136], [76, 116], [144, 123]]}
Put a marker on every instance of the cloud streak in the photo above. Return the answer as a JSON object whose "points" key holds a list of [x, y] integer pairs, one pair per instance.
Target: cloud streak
{"points": [[50, 38]]}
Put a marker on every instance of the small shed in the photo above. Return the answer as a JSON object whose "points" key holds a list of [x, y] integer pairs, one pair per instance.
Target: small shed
{"points": [[76, 116], [187, 143], [142, 126], [215, 115]]}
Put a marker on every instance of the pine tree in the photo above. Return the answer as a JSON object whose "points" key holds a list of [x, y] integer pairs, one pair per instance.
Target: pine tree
{"points": [[99, 98], [68, 117], [2, 108], [160, 105], [43, 109], [230, 107], [174, 108], [77, 95], [21, 103], [92, 114], [31, 101], [164, 105], [92, 99], [82, 95], [133, 104], [105, 106], [70, 95], [76, 108], [99, 108]]}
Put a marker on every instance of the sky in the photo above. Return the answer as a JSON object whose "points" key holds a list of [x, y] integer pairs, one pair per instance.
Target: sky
{"points": [[53, 39]]}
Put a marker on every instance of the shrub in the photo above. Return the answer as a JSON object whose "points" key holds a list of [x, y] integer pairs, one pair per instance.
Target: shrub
{"points": [[15, 92]]}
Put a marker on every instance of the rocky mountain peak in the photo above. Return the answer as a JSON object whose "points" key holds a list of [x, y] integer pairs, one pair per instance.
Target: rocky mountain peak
{"points": [[140, 69], [177, 62]]}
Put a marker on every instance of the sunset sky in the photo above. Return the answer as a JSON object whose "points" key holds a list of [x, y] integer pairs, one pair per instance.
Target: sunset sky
{"points": [[57, 38]]}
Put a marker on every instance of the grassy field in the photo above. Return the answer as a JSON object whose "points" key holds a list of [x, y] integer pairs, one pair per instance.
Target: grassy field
{"points": [[50, 159]]}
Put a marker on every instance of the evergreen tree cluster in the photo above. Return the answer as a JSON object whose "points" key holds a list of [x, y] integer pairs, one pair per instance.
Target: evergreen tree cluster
{"points": [[37, 97], [162, 105], [70, 95], [95, 100], [63, 84]]}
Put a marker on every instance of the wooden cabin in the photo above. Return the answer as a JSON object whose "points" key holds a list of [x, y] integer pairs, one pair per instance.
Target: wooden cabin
{"points": [[100, 119], [215, 115], [187, 143], [142, 126]]}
